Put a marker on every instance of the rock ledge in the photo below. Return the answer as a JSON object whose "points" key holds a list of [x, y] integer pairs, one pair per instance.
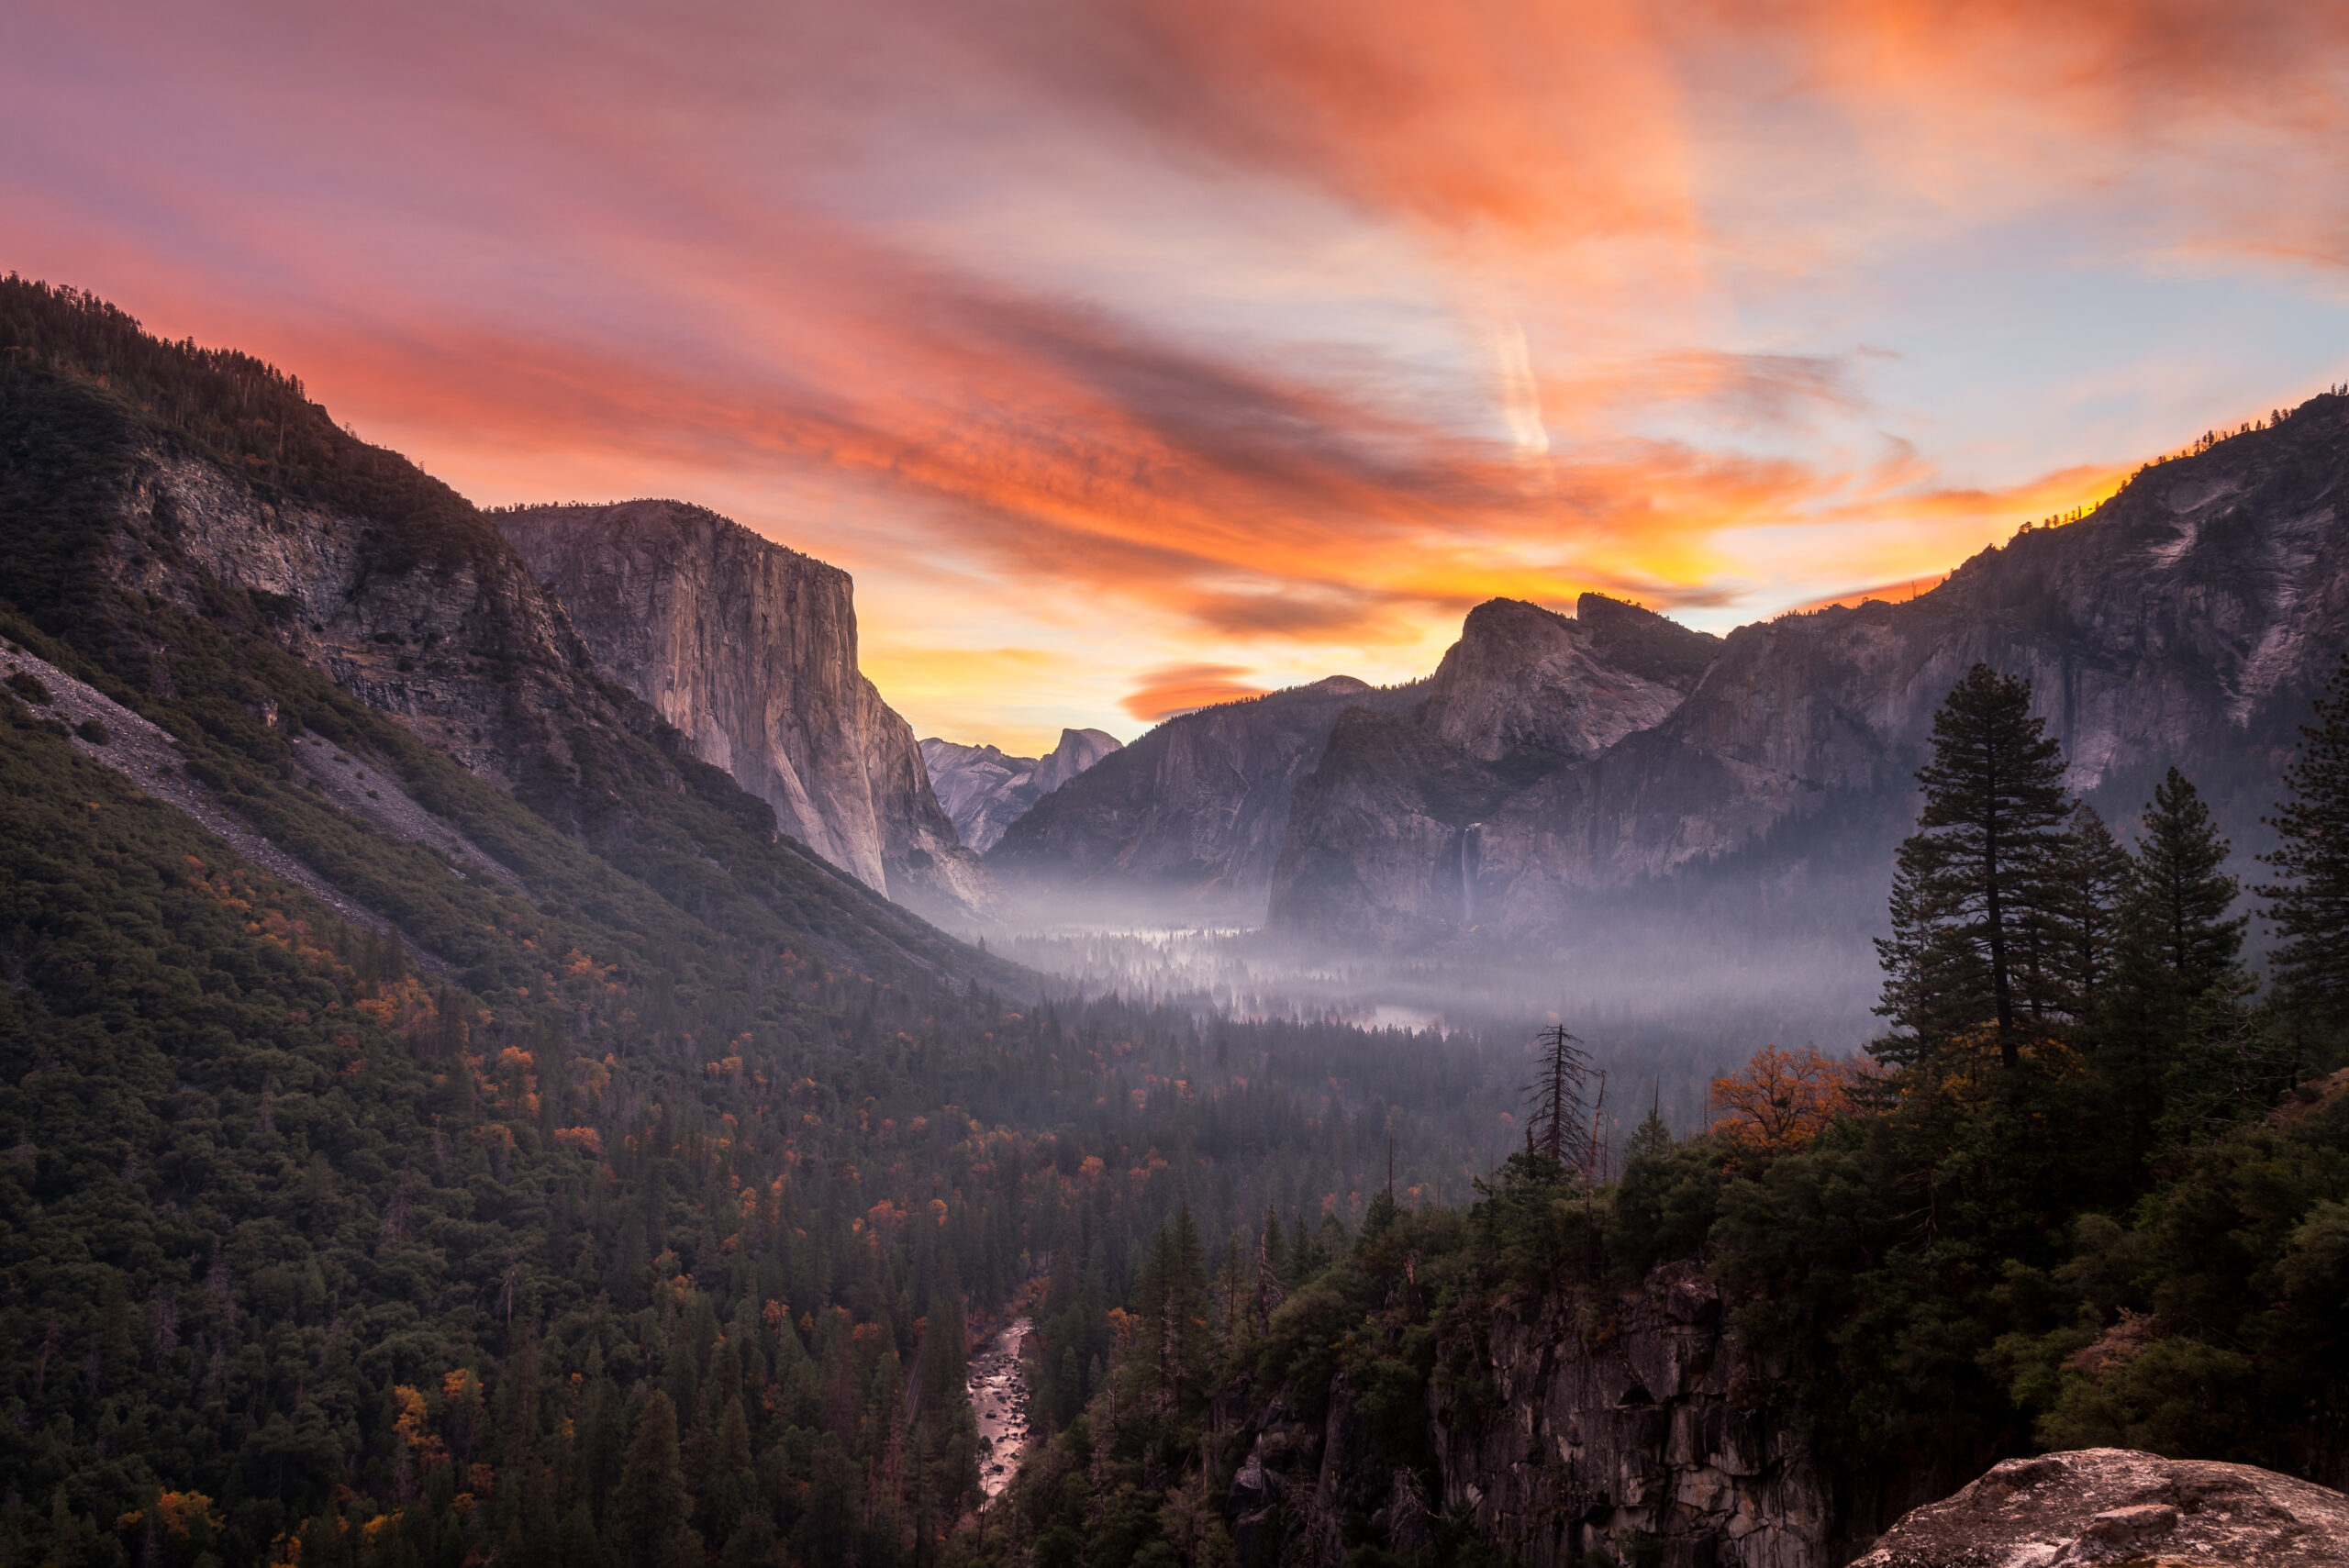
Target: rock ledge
{"points": [[2113, 1505]]}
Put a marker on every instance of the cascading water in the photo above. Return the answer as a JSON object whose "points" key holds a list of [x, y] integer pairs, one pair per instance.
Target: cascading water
{"points": [[1470, 851]]}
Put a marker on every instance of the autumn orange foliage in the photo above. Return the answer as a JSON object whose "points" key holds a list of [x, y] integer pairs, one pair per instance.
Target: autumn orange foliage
{"points": [[414, 1426], [1783, 1099]]}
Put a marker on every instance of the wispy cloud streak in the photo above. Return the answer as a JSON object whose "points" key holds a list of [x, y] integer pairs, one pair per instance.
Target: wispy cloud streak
{"points": [[1170, 344]]}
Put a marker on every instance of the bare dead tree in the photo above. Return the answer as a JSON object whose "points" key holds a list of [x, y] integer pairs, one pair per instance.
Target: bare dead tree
{"points": [[1559, 1109]]}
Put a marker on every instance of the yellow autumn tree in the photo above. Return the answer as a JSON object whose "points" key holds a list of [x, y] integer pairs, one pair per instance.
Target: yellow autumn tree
{"points": [[413, 1427], [1783, 1099]]}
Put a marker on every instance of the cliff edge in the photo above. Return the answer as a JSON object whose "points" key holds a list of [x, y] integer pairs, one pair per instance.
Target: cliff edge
{"points": [[749, 649]]}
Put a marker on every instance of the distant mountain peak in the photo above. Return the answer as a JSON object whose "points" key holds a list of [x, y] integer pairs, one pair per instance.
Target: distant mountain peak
{"points": [[984, 790]]}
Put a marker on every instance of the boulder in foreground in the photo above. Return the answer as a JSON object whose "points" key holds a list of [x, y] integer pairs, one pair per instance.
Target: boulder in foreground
{"points": [[2110, 1504]]}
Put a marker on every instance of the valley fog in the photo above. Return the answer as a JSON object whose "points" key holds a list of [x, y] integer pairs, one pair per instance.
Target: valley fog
{"points": [[1664, 1008]]}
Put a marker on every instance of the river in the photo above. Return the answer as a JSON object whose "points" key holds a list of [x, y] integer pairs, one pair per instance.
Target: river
{"points": [[999, 1399]]}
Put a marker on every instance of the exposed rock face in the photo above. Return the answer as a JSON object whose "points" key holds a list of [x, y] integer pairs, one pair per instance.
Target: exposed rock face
{"points": [[1195, 809], [984, 791], [749, 650], [2109, 1505], [1388, 837], [1559, 1435], [1078, 749], [188, 580], [2189, 620], [1526, 681], [1644, 1429], [150, 759], [453, 637], [1652, 1433]]}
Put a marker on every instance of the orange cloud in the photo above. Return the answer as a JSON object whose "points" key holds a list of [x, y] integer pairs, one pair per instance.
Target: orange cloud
{"points": [[1272, 333], [1180, 688], [1889, 593]]}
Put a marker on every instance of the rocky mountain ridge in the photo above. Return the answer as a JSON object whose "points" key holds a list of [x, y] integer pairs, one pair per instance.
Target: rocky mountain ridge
{"points": [[224, 559], [1524, 681], [984, 791], [2189, 620], [749, 649], [1191, 816], [1198, 811]]}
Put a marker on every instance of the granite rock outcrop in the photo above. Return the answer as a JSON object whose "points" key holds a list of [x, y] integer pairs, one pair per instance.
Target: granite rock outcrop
{"points": [[1525, 682], [1387, 836], [1638, 1426], [440, 626], [2116, 1506], [749, 649], [1651, 1430], [176, 568]]}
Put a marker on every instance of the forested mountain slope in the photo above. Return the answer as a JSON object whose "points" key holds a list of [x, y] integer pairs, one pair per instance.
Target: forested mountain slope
{"points": [[601, 1178]]}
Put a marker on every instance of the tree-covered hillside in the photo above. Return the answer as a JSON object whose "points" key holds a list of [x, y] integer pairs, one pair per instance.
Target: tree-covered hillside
{"points": [[2090, 1189], [634, 1208]]}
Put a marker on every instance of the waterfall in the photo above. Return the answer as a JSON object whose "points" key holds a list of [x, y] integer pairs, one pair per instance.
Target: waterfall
{"points": [[1470, 850]]}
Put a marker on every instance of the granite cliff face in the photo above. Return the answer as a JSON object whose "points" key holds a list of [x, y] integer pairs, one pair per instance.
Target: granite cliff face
{"points": [[188, 575], [1194, 812], [1523, 682], [1564, 1427], [448, 634], [1656, 1432], [984, 791], [749, 650], [2189, 620], [1387, 836]]}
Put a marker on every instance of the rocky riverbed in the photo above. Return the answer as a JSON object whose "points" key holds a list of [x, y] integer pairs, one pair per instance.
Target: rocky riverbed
{"points": [[999, 1399]]}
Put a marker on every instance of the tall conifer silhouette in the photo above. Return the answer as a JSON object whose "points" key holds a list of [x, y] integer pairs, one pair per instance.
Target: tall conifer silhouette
{"points": [[2308, 902], [1981, 866]]}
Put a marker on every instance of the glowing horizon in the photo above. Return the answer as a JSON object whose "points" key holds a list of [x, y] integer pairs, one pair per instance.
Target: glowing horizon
{"points": [[1134, 354]]}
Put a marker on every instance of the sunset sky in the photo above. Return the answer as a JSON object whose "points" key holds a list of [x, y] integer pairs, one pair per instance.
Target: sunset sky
{"points": [[1134, 354]]}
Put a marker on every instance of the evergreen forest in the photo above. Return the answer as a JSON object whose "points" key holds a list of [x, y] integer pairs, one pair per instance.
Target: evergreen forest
{"points": [[2090, 1188]]}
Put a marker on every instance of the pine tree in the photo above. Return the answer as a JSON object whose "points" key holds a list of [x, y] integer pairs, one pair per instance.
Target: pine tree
{"points": [[945, 1346], [734, 1487], [1268, 1293], [1302, 1264], [1380, 1217], [1979, 867], [1171, 1301], [1232, 1288], [1651, 1139], [651, 1505], [2307, 904], [535, 1535], [579, 1548], [2095, 874], [2176, 926]]}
